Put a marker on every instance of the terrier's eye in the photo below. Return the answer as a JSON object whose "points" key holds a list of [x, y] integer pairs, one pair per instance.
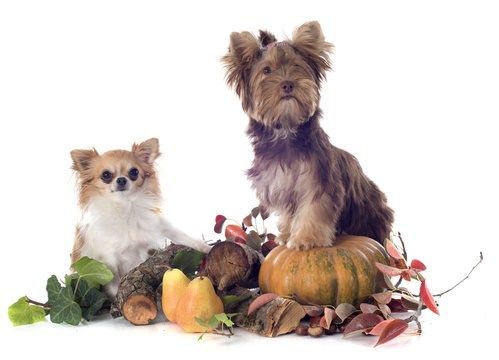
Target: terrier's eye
{"points": [[106, 177], [133, 174], [267, 70]]}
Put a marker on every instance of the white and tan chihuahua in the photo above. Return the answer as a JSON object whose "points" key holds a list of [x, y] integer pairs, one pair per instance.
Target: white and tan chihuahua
{"points": [[121, 218]]}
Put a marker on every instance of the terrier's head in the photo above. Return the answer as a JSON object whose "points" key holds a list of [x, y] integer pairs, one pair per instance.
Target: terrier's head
{"points": [[279, 82]]}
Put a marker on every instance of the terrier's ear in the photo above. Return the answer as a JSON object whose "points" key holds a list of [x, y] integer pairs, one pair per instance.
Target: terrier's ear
{"points": [[309, 41], [244, 51], [82, 159], [266, 38], [148, 151]]}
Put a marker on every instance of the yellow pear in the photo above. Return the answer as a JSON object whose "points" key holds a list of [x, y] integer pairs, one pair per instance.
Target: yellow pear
{"points": [[174, 285], [199, 300]]}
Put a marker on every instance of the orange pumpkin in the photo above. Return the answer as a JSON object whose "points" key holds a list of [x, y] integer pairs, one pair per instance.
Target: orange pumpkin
{"points": [[345, 272]]}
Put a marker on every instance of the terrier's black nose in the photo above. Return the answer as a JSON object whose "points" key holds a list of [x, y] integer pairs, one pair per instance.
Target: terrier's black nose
{"points": [[121, 182], [287, 87]]}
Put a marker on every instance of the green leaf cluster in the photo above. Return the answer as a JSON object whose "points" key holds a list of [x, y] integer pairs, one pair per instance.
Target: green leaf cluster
{"points": [[215, 321], [21, 312], [188, 261], [79, 297]]}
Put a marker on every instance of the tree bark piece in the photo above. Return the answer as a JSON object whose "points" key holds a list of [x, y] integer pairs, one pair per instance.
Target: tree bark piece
{"points": [[229, 263], [277, 317], [136, 296]]}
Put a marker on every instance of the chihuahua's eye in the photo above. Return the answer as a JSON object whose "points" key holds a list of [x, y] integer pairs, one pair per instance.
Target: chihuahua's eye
{"points": [[106, 177], [133, 173], [267, 70]]}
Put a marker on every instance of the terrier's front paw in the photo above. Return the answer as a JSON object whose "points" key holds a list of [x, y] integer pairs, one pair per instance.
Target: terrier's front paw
{"points": [[283, 238], [307, 242]]}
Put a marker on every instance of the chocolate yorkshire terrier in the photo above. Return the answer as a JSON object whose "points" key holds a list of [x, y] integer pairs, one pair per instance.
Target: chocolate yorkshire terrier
{"points": [[317, 190]]}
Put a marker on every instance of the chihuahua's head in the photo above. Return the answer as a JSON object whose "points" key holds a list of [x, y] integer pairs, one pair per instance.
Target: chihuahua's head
{"points": [[278, 82], [116, 173]]}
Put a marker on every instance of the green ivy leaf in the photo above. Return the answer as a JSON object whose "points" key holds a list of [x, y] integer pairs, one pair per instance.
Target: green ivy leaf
{"points": [[213, 322], [89, 298], [22, 313], [64, 309], [93, 271], [224, 318], [232, 299], [53, 289], [68, 278], [188, 261], [201, 322]]}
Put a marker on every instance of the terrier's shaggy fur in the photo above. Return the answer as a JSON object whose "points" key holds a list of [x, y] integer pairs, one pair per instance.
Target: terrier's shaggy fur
{"points": [[316, 189]]}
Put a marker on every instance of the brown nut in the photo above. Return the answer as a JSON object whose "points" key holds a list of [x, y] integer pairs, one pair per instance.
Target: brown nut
{"points": [[332, 329], [316, 331], [315, 321], [343, 325], [301, 330]]}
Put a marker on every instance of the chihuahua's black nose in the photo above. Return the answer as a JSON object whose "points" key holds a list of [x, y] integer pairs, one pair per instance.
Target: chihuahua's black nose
{"points": [[287, 87], [121, 183]]}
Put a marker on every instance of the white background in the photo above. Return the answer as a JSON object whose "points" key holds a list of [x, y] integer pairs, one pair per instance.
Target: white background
{"points": [[414, 95]]}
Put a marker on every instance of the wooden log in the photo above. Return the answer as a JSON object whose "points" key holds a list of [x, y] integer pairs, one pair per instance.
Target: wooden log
{"points": [[277, 317], [229, 263], [136, 296]]}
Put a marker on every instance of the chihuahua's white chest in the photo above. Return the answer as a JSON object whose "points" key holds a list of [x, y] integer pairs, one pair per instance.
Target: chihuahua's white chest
{"points": [[120, 231]]}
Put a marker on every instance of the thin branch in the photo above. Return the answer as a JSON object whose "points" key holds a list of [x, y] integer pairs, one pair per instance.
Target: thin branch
{"points": [[415, 316], [467, 276], [404, 252], [42, 305]]}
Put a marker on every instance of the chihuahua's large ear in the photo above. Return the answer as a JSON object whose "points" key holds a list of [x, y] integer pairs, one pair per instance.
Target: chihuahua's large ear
{"points": [[309, 41], [82, 159], [244, 51], [148, 151]]}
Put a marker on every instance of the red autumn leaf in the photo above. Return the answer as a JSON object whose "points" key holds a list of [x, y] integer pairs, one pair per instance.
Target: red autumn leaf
{"points": [[248, 221], [376, 331], [343, 311], [361, 323], [417, 265], [413, 273], [383, 281], [219, 224], [267, 246], [382, 298], [392, 250], [396, 305], [398, 263], [234, 231], [409, 302], [428, 298], [220, 217], [385, 310], [328, 317], [391, 330], [368, 308], [388, 270], [406, 275], [255, 211], [260, 301], [313, 310], [271, 236]]}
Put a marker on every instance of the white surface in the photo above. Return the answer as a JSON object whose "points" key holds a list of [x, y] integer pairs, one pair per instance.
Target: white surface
{"points": [[413, 95]]}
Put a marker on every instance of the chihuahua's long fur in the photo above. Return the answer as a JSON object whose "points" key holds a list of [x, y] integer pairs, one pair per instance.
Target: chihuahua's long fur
{"points": [[120, 199], [316, 189]]}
